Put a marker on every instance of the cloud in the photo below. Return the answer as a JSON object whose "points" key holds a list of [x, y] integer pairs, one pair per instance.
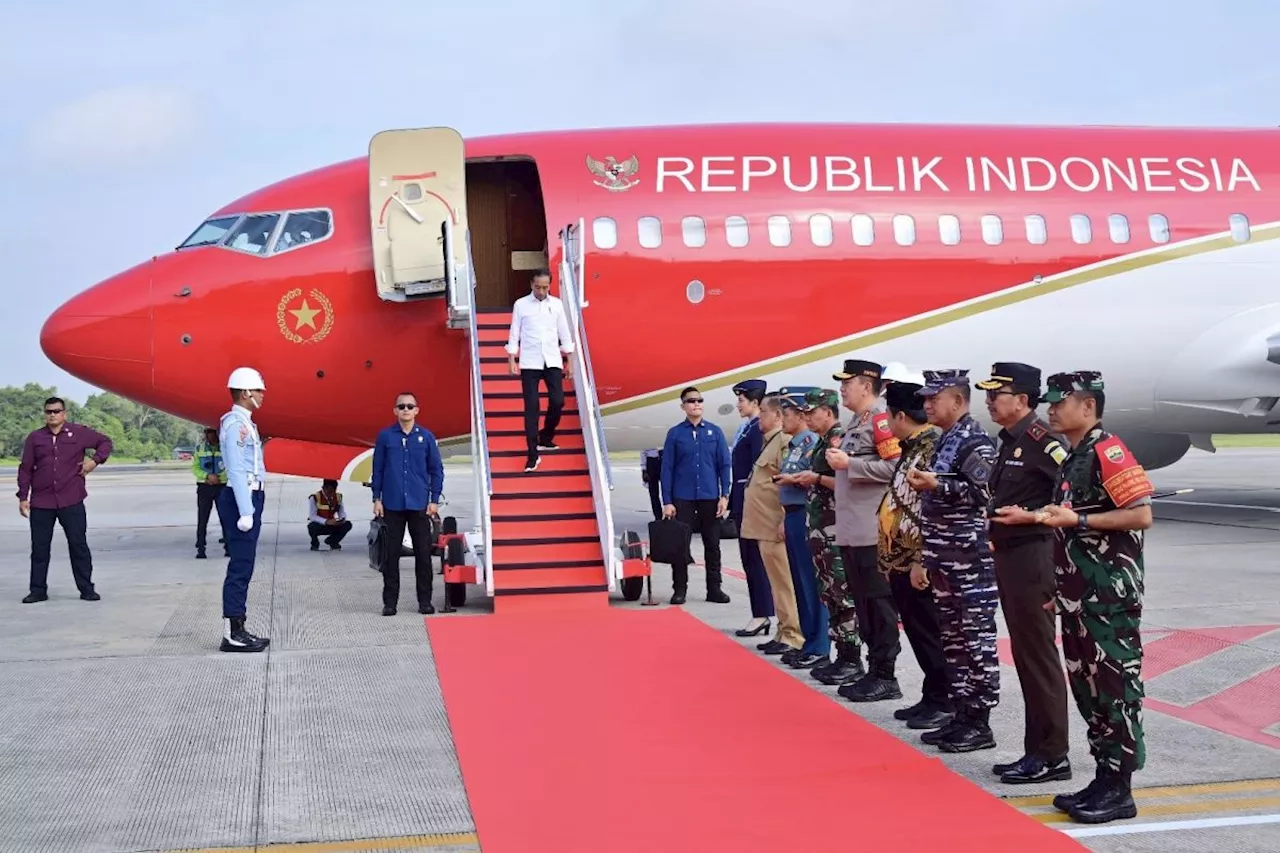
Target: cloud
{"points": [[115, 127]]}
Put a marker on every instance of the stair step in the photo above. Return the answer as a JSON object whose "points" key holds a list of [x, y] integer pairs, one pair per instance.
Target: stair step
{"points": [[501, 404], [493, 359], [546, 552], [490, 322], [578, 470], [560, 590], [544, 539], [530, 503], [495, 312], [533, 484], [576, 526], [545, 454], [569, 444], [514, 418], [511, 463], [497, 393], [492, 337], [556, 579]]}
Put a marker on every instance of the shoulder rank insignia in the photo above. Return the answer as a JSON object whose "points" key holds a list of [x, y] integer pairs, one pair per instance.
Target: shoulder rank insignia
{"points": [[1056, 451], [1123, 478], [1036, 431], [886, 443]]}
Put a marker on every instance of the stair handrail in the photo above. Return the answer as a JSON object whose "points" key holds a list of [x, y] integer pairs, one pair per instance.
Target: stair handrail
{"points": [[479, 433], [580, 287], [589, 412]]}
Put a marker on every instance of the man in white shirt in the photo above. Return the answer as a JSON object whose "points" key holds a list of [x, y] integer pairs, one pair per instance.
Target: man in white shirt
{"points": [[539, 334]]}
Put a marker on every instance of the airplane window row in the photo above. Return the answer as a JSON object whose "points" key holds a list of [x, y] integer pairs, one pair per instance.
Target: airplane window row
{"points": [[693, 230], [263, 233]]}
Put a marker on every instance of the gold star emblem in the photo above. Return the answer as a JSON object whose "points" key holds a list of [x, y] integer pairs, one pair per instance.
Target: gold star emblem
{"points": [[305, 316]]}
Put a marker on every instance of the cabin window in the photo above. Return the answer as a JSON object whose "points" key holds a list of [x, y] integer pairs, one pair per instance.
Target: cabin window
{"points": [[992, 230], [604, 232], [864, 229], [779, 230], [736, 231], [1037, 231], [650, 232], [821, 231], [1159, 225], [1239, 227], [1081, 229], [254, 233], [1119, 225], [301, 228], [949, 229], [694, 231], [904, 230]]}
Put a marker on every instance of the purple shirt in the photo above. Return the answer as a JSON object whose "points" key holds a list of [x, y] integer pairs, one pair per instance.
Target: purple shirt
{"points": [[50, 468]]}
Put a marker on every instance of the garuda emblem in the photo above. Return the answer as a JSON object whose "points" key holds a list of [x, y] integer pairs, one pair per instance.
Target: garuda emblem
{"points": [[614, 176]]}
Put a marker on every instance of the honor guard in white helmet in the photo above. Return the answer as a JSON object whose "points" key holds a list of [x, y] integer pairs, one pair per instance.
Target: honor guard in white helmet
{"points": [[242, 499]]}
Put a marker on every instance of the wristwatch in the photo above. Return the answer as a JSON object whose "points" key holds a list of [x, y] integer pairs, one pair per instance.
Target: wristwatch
{"points": [[1082, 521]]}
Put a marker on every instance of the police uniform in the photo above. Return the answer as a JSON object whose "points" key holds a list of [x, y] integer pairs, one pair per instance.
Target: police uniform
{"points": [[873, 453], [833, 587], [1024, 476], [1099, 592], [814, 623], [746, 447], [957, 556], [240, 505]]}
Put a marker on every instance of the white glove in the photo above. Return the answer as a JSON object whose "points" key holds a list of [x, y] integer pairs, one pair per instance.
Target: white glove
{"points": [[245, 523]]}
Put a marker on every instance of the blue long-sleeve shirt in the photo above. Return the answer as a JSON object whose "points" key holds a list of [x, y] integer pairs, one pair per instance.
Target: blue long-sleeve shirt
{"points": [[408, 473], [695, 463]]}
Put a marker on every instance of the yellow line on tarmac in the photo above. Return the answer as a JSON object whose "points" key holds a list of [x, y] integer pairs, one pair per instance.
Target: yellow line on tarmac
{"points": [[1208, 807], [1243, 785], [354, 846]]}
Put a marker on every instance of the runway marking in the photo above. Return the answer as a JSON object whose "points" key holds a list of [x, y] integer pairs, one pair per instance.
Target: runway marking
{"points": [[1209, 807], [1171, 826], [1239, 786], [354, 846], [1218, 505]]}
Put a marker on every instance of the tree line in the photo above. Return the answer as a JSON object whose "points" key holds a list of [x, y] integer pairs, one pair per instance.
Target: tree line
{"points": [[137, 431]]}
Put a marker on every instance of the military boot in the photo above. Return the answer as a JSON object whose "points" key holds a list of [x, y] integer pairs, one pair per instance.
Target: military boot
{"points": [[1111, 800], [976, 734], [236, 639], [847, 667], [936, 736], [874, 687], [1066, 802]]}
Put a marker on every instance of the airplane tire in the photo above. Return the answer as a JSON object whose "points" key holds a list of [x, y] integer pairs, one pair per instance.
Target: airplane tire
{"points": [[632, 588]]}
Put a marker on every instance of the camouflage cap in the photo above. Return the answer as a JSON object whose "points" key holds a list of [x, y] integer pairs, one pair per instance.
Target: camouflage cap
{"points": [[821, 397], [936, 380], [1063, 385]]}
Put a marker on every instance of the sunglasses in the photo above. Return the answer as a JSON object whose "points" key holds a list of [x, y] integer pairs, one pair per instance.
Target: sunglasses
{"points": [[406, 406], [53, 411], [691, 400]]}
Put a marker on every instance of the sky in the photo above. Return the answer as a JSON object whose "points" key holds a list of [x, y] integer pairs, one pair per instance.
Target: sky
{"points": [[126, 124]]}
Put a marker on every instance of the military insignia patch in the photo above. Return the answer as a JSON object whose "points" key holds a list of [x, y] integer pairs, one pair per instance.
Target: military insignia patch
{"points": [[614, 176], [1124, 480], [1055, 450], [1036, 431], [1017, 453], [886, 443]]}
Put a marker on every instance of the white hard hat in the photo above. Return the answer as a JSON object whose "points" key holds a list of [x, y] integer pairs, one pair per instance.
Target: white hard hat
{"points": [[896, 371], [246, 379]]}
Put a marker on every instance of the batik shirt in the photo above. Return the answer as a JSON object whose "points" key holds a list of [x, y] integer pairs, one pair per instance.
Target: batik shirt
{"points": [[899, 514]]}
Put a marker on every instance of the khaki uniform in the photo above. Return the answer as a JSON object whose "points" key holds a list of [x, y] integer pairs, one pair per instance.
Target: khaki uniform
{"points": [[762, 518]]}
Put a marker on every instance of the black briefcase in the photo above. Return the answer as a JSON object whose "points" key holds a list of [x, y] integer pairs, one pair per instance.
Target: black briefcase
{"points": [[377, 544], [728, 527], [669, 541]]}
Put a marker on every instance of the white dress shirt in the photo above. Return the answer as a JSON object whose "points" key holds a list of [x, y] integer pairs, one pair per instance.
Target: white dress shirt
{"points": [[537, 325]]}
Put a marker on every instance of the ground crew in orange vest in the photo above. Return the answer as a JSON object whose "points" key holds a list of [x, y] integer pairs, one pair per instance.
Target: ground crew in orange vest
{"points": [[328, 517]]}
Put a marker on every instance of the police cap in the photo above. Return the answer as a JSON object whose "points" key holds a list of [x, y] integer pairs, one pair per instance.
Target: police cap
{"points": [[857, 367], [1063, 385], [936, 380], [1023, 378]]}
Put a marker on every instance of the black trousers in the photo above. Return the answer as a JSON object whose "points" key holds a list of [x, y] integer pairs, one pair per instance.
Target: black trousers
{"points": [[701, 517], [1024, 574], [332, 533], [553, 378], [420, 536], [75, 525], [206, 500], [873, 599], [919, 613], [653, 474]]}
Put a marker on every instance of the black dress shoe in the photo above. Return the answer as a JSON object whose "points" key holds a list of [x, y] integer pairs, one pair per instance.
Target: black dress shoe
{"points": [[1001, 769], [930, 719], [905, 714], [90, 596], [1032, 769], [677, 597], [427, 608], [789, 656], [717, 596], [809, 661], [36, 598], [774, 647], [388, 611]]}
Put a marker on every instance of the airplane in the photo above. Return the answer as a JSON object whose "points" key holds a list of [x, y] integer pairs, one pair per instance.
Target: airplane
{"points": [[705, 255]]}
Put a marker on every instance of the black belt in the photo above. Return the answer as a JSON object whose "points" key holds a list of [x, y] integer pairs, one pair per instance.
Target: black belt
{"points": [[793, 507], [1024, 539]]}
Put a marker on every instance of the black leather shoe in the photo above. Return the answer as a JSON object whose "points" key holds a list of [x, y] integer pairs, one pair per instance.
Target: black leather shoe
{"points": [[717, 596], [1032, 769], [677, 597], [36, 598], [1001, 769], [807, 661], [90, 596], [930, 719], [789, 656], [905, 714], [1111, 800], [843, 672], [762, 628], [427, 608], [933, 738], [388, 611], [776, 648], [873, 688]]}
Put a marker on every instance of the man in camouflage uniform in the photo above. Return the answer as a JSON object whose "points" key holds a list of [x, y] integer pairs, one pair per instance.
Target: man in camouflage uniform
{"points": [[1099, 568], [957, 558], [823, 406]]}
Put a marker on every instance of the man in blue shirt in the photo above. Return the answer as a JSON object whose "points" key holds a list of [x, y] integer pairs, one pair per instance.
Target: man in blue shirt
{"points": [[408, 476], [695, 489]]}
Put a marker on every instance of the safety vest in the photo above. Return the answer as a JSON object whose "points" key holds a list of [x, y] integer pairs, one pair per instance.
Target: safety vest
{"points": [[322, 504], [208, 460]]}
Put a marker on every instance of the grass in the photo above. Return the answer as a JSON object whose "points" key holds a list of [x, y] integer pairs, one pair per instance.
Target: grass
{"points": [[1246, 440]]}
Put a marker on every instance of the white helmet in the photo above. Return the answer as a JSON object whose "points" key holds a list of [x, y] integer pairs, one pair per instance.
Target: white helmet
{"points": [[896, 371], [246, 379]]}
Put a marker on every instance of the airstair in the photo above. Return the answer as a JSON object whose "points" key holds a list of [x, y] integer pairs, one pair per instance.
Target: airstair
{"points": [[542, 539]]}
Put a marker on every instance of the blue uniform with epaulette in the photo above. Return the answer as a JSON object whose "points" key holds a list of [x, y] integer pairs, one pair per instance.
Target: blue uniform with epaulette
{"points": [[814, 620]]}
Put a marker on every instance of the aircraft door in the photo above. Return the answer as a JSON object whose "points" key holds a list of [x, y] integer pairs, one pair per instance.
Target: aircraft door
{"points": [[417, 183]]}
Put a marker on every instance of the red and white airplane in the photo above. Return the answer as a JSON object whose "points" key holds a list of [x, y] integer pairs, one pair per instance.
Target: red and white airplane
{"points": [[716, 253]]}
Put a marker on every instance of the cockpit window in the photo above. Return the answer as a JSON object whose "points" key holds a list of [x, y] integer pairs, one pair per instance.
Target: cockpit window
{"points": [[210, 232], [301, 228], [253, 233]]}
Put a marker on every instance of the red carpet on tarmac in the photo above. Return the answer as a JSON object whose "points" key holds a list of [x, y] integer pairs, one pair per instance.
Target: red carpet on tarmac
{"points": [[614, 731]]}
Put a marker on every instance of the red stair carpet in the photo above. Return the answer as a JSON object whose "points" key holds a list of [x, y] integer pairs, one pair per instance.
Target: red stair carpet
{"points": [[615, 731], [546, 544]]}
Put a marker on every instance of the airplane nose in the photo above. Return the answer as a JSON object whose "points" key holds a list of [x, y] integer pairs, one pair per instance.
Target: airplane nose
{"points": [[103, 335]]}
